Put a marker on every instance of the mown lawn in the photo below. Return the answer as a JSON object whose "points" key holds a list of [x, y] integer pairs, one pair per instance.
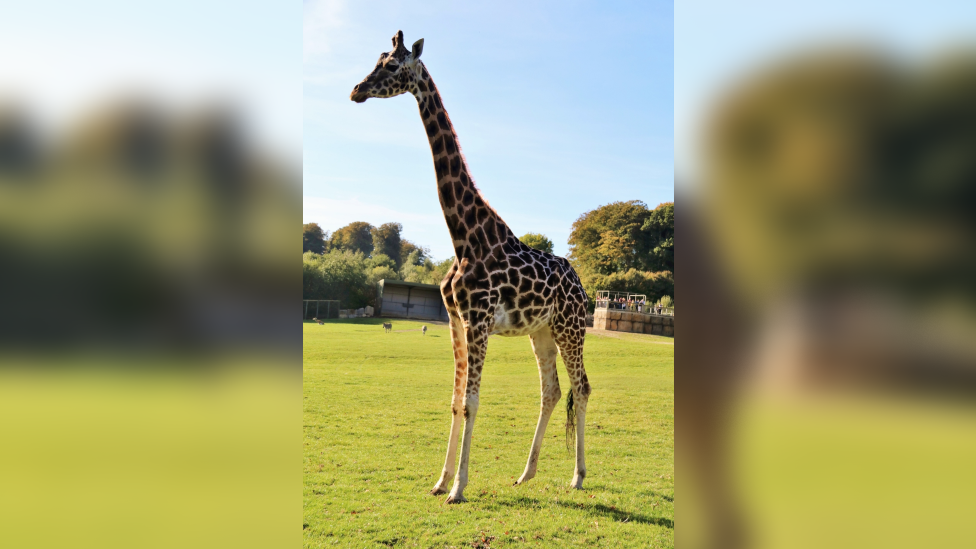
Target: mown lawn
{"points": [[376, 421]]}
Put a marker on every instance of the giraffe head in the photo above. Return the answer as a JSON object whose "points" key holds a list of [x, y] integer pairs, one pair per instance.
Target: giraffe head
{"points": [[395, 73]]}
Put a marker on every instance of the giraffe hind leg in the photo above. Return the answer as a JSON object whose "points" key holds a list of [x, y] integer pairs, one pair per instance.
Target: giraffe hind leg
{"points": [[545, 353], [570, 343]]}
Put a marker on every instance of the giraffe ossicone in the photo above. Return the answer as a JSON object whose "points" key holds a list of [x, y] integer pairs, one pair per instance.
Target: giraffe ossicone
{"points": [[497, 285]]}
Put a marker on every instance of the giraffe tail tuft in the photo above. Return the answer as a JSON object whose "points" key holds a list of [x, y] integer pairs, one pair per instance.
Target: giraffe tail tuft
{"points": [[570, 422]]}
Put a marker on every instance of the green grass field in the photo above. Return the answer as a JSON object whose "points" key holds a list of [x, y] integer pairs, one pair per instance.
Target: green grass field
{"points": [[377, 416]]}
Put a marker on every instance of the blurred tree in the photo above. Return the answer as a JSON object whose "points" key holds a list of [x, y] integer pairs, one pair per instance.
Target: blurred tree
{"points": [[386, 240], [313, 238], [538, 241], [354, 237]]}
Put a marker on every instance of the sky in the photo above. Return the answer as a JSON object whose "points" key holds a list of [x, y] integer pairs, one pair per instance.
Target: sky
{"points": [[718, 42], [64, 59], [560, 107]]}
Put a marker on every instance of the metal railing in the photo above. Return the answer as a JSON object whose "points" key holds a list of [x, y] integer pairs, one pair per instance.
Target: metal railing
{"points": [[627, 301], [320, 308]]}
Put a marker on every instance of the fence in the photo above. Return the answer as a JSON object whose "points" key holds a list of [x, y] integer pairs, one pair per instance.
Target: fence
{"points": [[320, 308], [626, 301]]}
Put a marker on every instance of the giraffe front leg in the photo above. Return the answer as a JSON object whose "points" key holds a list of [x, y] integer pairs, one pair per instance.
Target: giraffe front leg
{"points": [[477, 340], [545, 354], [448, 472], [461, 480], [457, 402]]}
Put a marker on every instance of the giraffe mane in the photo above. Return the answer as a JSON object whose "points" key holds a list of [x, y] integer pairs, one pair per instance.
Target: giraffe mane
{"points": [[464, 159]]}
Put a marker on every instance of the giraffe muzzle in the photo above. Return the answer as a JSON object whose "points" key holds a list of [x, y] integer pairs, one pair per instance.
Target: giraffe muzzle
{"points": [[359, 93]]}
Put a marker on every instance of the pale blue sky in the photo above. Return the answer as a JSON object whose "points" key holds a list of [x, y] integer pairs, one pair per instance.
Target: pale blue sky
{"points": [[560, 107], [62, 59], [717, 42]]}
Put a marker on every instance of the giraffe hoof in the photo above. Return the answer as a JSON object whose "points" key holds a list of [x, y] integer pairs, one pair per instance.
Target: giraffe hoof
{"points": [[455, 499], [436, 491]]}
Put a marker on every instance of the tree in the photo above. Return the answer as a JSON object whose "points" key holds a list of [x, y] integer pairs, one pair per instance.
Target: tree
{"points": [[386, 240], [659, 229], [538, 241], [427, 272], [625, 246], [407, 249], [653, 285], [354, 237], [313, 238], [610, 239], [339, 274], [380, 260]]}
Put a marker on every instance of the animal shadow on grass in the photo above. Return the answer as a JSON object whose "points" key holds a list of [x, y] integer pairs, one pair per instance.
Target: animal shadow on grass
{"points": [[619, 515], [594, 509]]}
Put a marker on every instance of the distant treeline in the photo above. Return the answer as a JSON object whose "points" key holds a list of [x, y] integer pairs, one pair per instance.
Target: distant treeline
{"points": [[620, 246], [347, 264]]}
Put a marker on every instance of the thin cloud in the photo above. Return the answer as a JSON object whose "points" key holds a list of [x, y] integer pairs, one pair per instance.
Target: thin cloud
{"points": [[321, 19]]}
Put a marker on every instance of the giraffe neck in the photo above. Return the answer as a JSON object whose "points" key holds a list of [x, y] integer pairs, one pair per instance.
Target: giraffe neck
{"points": [[474, 226]]}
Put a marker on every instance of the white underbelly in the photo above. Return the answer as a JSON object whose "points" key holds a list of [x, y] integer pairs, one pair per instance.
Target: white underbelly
{"points": [[503, 325]]}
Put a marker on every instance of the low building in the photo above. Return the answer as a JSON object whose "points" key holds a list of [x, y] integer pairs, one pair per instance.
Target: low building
{"points": [[397, 299]]}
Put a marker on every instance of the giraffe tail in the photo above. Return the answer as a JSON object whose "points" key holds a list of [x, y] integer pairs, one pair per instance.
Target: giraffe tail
{"points": [[570, 422]]}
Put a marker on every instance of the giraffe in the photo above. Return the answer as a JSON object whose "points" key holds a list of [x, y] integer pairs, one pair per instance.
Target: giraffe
{"points": [[496, 285]]}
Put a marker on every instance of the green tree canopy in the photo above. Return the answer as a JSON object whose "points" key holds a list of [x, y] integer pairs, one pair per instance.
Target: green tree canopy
{"points": [[538, 241], [355, 260], [407, 250], [339, 274], [625, 246], [609, 239], [313, 238], [653, 285], [386, 240], [427, 272], [354, 237], [658, 229]]}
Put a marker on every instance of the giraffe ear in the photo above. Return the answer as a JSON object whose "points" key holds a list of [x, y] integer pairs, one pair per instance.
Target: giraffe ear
{"points": [[418, 48]]}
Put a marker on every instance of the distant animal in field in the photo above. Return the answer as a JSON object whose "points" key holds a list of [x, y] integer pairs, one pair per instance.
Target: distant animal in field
{"points": [[387, 327], [317, 320], [425, 330]]}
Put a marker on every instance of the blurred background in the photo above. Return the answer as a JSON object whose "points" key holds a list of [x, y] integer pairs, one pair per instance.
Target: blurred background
{"points": [[150, 165], [827, 152]]}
